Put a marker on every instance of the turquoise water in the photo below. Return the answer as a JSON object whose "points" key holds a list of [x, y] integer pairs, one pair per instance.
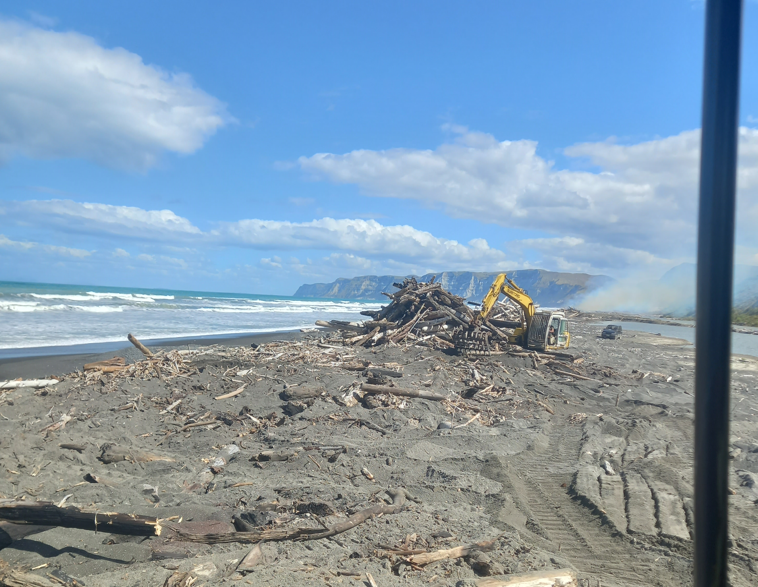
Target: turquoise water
{"points": [[41, 315]]}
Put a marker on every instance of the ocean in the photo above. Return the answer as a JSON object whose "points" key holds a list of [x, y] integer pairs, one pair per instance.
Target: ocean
{"points": [[42, 318]]}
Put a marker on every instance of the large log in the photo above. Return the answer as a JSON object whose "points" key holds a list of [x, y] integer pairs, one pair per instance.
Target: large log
{"points": [[44, 513], [419, 393]]}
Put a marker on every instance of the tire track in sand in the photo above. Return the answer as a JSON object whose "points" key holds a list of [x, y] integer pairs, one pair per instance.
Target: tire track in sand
{"points": [[595, 550]]}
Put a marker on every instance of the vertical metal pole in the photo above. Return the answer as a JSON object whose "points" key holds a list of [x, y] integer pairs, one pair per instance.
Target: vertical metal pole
{"points": [[715, 256]]}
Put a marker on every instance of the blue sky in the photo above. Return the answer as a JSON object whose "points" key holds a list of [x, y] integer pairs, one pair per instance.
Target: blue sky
{"points": [[256, 146]]}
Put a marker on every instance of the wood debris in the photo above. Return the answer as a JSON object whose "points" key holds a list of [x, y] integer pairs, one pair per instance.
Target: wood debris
{"points": [[18, 383], [425, 314], [48, 514]]}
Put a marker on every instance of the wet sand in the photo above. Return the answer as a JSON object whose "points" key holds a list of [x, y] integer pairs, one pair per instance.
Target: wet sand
{"points": [[66, 361], [592, 473]]}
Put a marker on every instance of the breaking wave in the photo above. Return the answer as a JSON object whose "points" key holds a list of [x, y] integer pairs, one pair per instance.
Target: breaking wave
{"points": [[55, 315]]}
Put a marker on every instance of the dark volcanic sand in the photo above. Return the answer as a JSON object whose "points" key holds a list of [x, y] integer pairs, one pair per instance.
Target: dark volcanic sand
{"points": [[66, 361], [531, 478]]}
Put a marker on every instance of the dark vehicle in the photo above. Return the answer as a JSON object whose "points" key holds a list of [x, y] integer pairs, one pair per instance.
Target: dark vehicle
{"points": [[611, 331]]}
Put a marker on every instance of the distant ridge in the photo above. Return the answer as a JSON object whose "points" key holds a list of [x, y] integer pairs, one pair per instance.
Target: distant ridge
{"points": [[547, 288]]}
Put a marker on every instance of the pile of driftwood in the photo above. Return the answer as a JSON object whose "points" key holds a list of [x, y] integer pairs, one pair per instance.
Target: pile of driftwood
{"points": [[427, 315]]}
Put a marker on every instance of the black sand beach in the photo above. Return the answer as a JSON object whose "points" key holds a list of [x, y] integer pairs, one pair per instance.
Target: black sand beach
{"points": [[68, 359], [546, 463]]}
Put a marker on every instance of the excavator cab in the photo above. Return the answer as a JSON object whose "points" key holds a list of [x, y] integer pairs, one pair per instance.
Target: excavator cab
{"points": [[548, 331]]}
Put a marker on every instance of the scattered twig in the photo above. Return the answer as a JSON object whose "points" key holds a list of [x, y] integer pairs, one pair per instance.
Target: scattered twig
{"points": [[399, 497]]}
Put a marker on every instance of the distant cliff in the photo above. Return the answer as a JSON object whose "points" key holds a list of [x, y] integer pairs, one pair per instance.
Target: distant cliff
{"points": [[547, 288]]}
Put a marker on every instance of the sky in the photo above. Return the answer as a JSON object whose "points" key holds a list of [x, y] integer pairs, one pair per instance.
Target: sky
{"points": [[252, 147]]}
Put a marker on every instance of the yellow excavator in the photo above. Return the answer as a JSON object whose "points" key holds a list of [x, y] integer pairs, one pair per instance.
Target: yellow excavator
{"points": [[538, 330]]}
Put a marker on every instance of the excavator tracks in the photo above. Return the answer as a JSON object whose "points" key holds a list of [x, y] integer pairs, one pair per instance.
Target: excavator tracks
{"points": [[472, 343]]}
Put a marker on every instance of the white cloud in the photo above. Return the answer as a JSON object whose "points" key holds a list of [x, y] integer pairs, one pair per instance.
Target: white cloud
{"points": [[87, 218], [66, 96], [367, 238], [642, 197], [5, 242]]}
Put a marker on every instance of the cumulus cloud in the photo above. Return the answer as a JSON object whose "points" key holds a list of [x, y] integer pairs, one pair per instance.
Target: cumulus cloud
{"points": [[640, 197], [353, 237], [88, 218], [64, 95], [365, 237]]}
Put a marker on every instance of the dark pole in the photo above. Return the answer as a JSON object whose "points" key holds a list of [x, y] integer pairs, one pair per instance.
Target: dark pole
{"points": [[715, 256]]}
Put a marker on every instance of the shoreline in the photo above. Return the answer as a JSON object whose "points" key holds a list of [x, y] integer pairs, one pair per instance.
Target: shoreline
{"points": [[38, 362], [65, 359]]}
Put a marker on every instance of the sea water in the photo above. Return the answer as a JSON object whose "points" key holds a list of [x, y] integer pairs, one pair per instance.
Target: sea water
{"points": [[742, 344], [42, 316]]}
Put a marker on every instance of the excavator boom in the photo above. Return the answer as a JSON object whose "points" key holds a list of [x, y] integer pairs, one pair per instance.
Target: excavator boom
{"points": [[505, 286]]}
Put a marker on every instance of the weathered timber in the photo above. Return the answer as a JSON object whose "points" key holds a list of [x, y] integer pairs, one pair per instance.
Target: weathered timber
{"points": [[551, 578], [451, 553], [28, 383], [399, 391], [118, 362], [384, 372], [142, 348], [43, 513], [110, 453]]}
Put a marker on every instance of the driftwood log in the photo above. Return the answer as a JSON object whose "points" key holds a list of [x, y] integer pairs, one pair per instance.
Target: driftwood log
{"points": [[107, 366], [27, 383], [426, 558], [399, 498], [110, 453], [15, 578], [384, 372], [422, 394], [44, 513], [234, 393], [551, 578], [142, 348]]}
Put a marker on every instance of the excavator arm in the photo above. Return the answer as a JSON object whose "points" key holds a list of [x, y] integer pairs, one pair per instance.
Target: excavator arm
{"points": [[512, 291]]}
